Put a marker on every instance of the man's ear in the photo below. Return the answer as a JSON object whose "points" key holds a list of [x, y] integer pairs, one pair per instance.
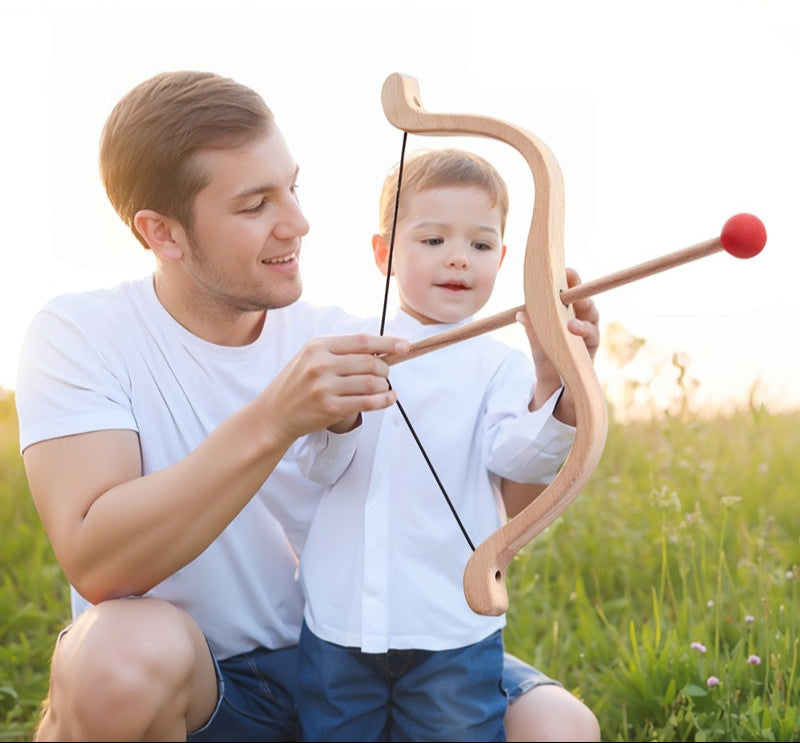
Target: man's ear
{"points": [[162, 234], [380, 250]]}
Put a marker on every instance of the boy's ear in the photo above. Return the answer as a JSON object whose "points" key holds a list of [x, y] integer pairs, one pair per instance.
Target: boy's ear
{"points": [[502, 256], [380, 250], [162, 234]]}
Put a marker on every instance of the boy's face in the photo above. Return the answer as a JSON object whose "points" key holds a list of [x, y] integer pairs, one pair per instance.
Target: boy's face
{"points": [[448, 248], [244, 245]]}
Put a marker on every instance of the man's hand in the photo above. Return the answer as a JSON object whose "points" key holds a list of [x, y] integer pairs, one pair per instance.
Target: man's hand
{"points": [[330, 381]]}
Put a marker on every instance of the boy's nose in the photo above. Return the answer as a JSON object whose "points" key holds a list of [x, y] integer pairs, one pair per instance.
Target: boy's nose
{"points": [[458, 259]]}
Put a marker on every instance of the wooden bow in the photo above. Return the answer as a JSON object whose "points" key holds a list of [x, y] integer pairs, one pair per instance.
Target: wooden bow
{"points": [[544, 279]]}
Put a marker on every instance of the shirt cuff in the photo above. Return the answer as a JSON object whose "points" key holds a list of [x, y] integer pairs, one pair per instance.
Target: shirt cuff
{"points": [[532, 447], [323, 456]]}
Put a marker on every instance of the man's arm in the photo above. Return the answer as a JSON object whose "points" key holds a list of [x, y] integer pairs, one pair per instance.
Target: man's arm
{"points": [[518, 495], [116, 532]]}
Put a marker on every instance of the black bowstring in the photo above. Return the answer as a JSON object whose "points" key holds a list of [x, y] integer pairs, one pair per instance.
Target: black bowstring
{"points": [[383, 325]]}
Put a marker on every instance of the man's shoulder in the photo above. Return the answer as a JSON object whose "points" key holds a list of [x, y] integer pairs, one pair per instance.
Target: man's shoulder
{"points": [[320, 319], [98, 306]]}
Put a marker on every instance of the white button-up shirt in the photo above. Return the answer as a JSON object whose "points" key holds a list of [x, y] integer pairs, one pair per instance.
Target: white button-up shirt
{"points": [[384, 558]]}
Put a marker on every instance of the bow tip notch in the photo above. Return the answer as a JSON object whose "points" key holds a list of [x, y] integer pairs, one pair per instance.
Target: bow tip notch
{"points": [[400, 98], [485, 586]]}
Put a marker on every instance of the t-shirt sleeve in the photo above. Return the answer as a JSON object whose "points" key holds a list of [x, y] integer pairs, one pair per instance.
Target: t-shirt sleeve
{"points": [[65, 385]]}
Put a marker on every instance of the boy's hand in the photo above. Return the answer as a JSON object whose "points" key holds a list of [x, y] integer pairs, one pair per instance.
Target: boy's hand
{"points": [[585, 324], [346, 424]]}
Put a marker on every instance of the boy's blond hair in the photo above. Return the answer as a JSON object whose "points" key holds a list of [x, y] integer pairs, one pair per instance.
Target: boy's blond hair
{"points": [[427, 169]]}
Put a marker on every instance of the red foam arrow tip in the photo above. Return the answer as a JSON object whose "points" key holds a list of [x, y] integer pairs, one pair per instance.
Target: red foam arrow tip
{"points": [[743, 235]]}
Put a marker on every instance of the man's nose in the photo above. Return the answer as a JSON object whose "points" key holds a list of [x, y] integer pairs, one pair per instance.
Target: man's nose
{"points": [[292, 221]]}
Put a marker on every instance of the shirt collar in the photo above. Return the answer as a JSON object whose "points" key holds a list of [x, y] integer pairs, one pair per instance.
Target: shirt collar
{"points": [[405, 326]]}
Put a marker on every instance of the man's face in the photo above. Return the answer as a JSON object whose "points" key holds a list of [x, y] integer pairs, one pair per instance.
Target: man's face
{"points": [[244, 245]]}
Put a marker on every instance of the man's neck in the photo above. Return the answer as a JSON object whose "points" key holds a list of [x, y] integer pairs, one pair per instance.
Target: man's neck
{"points": [[212, 321]]}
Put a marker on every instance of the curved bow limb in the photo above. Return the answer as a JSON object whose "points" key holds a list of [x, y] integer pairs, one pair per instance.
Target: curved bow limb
{"points": [[544, 278]]}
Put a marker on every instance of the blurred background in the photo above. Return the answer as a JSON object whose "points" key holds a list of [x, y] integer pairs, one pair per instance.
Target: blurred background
{"points": [[666, 118]]}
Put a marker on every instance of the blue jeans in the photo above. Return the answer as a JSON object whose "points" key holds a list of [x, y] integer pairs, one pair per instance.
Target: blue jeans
{"points": [[400, 695], [257, 692]]}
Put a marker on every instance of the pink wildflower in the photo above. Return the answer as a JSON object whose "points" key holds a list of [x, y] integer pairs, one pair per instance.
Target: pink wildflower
{"points": [[712, 681], [754, 660], [698, 647]]}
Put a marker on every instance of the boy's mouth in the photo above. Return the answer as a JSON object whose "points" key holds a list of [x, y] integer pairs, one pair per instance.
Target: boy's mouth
{"points": [[453, 286]]}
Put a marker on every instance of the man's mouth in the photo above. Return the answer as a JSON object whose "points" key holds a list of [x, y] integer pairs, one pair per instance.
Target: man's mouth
{"points": [[281, 259]]}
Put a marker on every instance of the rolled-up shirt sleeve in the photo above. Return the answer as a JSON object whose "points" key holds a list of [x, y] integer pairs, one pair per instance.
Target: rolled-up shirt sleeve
{"points": [[530, 447]]}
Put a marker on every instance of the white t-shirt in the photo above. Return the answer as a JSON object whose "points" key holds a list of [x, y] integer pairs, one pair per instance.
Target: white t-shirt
{"points": [[384, 559], [116, 359]]}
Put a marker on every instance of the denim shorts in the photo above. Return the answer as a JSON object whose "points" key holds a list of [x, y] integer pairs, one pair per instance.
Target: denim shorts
{"points": [[445, 695], [519, 678], [257, 692], [256, 698]]}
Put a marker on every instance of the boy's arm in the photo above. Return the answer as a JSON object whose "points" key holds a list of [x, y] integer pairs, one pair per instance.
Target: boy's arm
{"points": [[585, 324], [518, 495], [323, 456]]}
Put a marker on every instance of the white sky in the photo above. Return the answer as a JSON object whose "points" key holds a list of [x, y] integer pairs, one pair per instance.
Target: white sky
{"points": [[667, 117]]}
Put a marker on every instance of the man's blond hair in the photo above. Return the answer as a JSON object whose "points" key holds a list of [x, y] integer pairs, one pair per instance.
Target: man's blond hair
{"points": [[149, 140]]}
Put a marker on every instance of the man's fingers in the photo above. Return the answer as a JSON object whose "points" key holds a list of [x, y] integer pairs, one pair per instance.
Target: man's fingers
{"points": [[364, 343], [365, 403], [355, 385]]}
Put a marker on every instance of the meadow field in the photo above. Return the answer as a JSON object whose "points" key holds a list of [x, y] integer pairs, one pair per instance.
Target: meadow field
{"points": [[667, 596]]}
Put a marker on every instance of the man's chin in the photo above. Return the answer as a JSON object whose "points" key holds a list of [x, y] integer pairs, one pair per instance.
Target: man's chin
{"points": [[286, 298]]}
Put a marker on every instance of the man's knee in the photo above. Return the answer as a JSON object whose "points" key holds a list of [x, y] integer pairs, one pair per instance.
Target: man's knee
{"points": [[119, 666]]}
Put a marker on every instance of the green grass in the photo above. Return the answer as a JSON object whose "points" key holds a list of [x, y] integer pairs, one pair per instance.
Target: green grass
{"points": [[34, 600], [689, 532]]}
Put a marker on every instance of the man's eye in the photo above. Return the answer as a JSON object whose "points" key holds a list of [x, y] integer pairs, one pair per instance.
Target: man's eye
{"points": [[255, 209]]}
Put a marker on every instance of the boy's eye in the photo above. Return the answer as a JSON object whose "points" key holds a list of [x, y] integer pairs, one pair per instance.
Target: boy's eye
{"points": [[433, 241], [482, 246]]}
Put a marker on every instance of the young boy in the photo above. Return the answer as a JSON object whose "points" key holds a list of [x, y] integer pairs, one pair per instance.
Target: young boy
{"points": [[389, 649]]}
